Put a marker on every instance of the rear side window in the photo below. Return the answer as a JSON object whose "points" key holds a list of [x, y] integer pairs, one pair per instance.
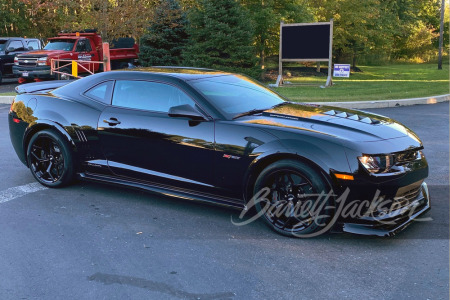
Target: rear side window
{"points": [[101, 92], [151, 96]]}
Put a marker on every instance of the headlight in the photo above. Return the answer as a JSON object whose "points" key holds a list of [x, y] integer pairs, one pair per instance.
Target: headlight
{"points": [[377, 163], [42, 61]]}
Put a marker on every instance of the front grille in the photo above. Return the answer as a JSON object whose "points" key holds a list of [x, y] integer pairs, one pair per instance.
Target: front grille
{"points": [[28, 62], [406, 195]]}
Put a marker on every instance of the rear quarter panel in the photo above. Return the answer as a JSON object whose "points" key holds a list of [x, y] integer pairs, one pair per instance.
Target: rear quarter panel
{"points": [[75, 121]]}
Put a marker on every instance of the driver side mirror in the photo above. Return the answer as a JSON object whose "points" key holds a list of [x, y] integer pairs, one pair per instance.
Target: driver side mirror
{"points": [[185, 111]]}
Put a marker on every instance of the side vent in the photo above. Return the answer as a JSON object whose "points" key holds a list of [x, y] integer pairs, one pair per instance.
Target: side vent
{"points": [[80, 135]]}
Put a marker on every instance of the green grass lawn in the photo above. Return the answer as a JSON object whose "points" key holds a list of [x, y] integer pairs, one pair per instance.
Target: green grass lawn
{"points": [[8, 94], [396, 81]]}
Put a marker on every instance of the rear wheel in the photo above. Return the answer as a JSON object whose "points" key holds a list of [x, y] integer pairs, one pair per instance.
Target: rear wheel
{"points": [[123, 65], [50, 159], [292, 205]]}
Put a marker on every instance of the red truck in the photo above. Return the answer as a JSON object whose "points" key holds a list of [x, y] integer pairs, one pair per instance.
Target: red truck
{"points": [[85, 46]]}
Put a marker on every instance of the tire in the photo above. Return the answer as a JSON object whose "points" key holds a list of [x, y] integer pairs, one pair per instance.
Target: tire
{"points": [[63, 77], [123, 65], [50, 159], [287, 208]]}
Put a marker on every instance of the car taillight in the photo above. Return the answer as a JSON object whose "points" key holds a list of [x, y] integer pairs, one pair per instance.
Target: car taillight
{"points": [[11, 108]]}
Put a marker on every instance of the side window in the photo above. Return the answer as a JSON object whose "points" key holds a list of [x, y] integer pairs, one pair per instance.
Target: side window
{"points": [[88, 46], [33, 45], [146, 95], [15, 45], [83, 46], [101, 92]]}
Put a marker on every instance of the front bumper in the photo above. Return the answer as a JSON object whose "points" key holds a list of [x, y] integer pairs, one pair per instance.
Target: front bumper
{"points": [[390, 222], [42, 72]]}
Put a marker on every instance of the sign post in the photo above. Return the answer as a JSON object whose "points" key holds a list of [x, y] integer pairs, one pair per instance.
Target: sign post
{"points": [[306, 42], [106, 58]]}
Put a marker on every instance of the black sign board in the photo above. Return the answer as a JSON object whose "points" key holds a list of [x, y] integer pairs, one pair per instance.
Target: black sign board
{"points": [[306, 41]]}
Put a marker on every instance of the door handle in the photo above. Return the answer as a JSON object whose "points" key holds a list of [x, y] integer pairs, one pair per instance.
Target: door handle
{"points": [[112, 121]]}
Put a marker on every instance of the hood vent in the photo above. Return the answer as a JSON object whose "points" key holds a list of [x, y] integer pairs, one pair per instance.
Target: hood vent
{"points": [[343, 114]]}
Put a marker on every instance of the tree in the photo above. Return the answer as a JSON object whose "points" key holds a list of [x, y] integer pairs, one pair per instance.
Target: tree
{"points": [[360, 28], [441, 35], [415, 23], [166, 37], [221, 37], [266, 16]]}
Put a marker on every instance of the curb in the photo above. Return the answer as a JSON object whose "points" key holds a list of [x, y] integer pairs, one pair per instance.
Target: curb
{"points": [[350, 104], [6, 99], [387, 103]]}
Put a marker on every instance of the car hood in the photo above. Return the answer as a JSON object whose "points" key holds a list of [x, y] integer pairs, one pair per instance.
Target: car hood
{"points": [[41, 53], [343, 123]]}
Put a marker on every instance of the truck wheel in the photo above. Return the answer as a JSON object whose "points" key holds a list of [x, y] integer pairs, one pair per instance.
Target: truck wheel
{"points": [[123, 65], [64, 77]]}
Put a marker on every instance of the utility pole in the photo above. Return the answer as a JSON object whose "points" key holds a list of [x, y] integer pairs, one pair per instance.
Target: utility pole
{"points": [[441, 35]]}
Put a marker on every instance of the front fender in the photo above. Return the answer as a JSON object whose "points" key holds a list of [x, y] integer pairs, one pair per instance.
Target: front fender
{"points": [[324, 156]]}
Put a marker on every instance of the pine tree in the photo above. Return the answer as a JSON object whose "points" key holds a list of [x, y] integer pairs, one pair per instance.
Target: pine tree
{"points": [[221, 38], [165, 38]]}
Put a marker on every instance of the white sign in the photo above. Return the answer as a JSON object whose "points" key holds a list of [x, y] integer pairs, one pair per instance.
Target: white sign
{"points": [[341, 70]]}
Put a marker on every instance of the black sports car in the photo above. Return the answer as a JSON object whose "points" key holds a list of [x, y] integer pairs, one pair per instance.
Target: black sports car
{"points": [[223, 138]]}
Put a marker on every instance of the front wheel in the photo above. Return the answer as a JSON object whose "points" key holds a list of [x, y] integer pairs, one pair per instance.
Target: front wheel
{"points": [[50, 159], [64, 76], [293, 199]]}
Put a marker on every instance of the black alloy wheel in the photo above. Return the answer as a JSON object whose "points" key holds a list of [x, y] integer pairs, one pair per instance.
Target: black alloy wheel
{"points": [[295, 204], [50, 159]]}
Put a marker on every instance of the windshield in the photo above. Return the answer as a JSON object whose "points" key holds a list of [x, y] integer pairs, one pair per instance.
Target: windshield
{"points": [[236, 94], [2, 45], [66, 45]]}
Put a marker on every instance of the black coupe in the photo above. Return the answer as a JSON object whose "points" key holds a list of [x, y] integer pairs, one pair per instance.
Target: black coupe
{"points": [[223, 138]]}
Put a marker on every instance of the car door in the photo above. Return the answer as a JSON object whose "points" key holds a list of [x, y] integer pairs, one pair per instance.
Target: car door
{"points": [[140, 140], [85, 53], [13, 48]]}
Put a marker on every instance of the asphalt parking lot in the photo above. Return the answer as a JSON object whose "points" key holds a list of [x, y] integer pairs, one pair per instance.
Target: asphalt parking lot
{"points": [[94, 241], [8, 85]]}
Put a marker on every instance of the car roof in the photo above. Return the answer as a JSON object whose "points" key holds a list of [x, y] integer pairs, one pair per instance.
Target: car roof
{"points": [[66, 37], [11, 37], [184, 73], [17, 38]]}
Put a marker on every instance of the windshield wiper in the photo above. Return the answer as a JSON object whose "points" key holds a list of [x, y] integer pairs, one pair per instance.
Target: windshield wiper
{"points": [[250, 112], [257, 111]]}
